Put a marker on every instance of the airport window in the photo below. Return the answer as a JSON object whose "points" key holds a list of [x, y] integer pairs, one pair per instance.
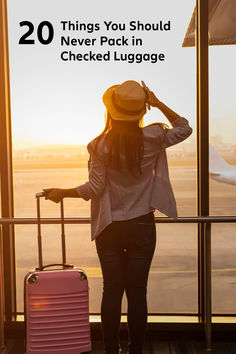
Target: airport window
{"points": [[222, 196], [223, 269], [53, 120]]}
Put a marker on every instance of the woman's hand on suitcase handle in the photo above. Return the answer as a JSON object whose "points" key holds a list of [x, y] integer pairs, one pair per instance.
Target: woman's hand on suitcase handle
{"points": [[54, 194]]}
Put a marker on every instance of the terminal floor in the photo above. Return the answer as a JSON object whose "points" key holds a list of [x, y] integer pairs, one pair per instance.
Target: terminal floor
{"points": [[151, 347]]}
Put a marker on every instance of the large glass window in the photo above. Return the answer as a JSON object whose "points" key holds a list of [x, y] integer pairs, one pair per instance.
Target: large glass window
{"points": [[222, 166], [57, 109], [223, 268], [222, 107]]}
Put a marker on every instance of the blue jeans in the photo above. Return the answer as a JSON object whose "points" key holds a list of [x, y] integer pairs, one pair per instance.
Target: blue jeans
{"points": [[125, 250]]}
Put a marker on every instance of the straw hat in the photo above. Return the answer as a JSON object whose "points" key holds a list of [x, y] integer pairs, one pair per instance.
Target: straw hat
{"points": [[126, 101]]}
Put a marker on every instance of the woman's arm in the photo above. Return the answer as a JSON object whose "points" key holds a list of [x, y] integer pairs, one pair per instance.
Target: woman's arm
{"points": [[97, 179], [89, 190], [170, 115], [153, 101], [57, 194], [181, 129]]}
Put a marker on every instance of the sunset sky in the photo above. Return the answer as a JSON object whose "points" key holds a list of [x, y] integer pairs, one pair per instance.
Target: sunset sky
{"points": [[56, 102]]}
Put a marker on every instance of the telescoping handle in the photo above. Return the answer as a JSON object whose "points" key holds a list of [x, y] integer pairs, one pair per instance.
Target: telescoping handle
{"points": [[63, 241]]}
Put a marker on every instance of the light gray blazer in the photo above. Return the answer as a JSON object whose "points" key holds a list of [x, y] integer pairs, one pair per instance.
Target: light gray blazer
{"points": [[118, 195]]}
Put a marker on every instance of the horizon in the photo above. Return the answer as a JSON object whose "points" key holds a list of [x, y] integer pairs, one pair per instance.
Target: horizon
{"points": [[213, 139]]}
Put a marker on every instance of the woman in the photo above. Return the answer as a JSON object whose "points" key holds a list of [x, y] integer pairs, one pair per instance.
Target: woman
{"points": [[128, 180]]}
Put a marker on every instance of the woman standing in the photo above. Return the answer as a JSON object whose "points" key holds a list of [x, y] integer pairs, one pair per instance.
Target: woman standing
{"points": [[128, 180]]}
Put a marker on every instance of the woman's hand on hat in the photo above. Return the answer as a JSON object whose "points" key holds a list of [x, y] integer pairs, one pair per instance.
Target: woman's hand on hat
{"points": [[145, 88], [54, 194], [151, 100]]}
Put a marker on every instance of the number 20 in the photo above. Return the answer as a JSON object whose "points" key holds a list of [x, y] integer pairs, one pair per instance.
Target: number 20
{"points": [[42, 40]]}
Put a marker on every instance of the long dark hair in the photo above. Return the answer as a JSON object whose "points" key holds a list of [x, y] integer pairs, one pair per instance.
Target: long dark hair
{"points": [[125, 145]]}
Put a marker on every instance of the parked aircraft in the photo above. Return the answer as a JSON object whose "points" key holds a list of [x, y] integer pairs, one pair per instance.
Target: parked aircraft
{"points": [[219, 169]]}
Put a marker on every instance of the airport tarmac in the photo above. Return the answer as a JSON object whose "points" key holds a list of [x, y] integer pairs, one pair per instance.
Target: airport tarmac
{"points": [[172, 284]]}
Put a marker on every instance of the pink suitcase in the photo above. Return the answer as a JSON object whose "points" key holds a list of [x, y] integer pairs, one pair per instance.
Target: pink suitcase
{"points": [[56, 305]]}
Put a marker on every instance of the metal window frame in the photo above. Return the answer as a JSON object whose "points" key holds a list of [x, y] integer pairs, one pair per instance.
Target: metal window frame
{"points": [[6, 175], [204, 241], [204, 234]]}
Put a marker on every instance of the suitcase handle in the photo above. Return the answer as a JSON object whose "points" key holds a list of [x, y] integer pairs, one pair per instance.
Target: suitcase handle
{"points": [[63, 241], [40, 194], [64, 266]]}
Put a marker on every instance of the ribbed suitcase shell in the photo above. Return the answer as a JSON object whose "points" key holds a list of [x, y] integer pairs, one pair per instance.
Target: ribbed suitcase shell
{"points": [[56, 304], [56, 312]]}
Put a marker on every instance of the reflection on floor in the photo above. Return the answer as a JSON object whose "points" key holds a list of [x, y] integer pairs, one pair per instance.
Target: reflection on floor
{"points": [[151, 347]]}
